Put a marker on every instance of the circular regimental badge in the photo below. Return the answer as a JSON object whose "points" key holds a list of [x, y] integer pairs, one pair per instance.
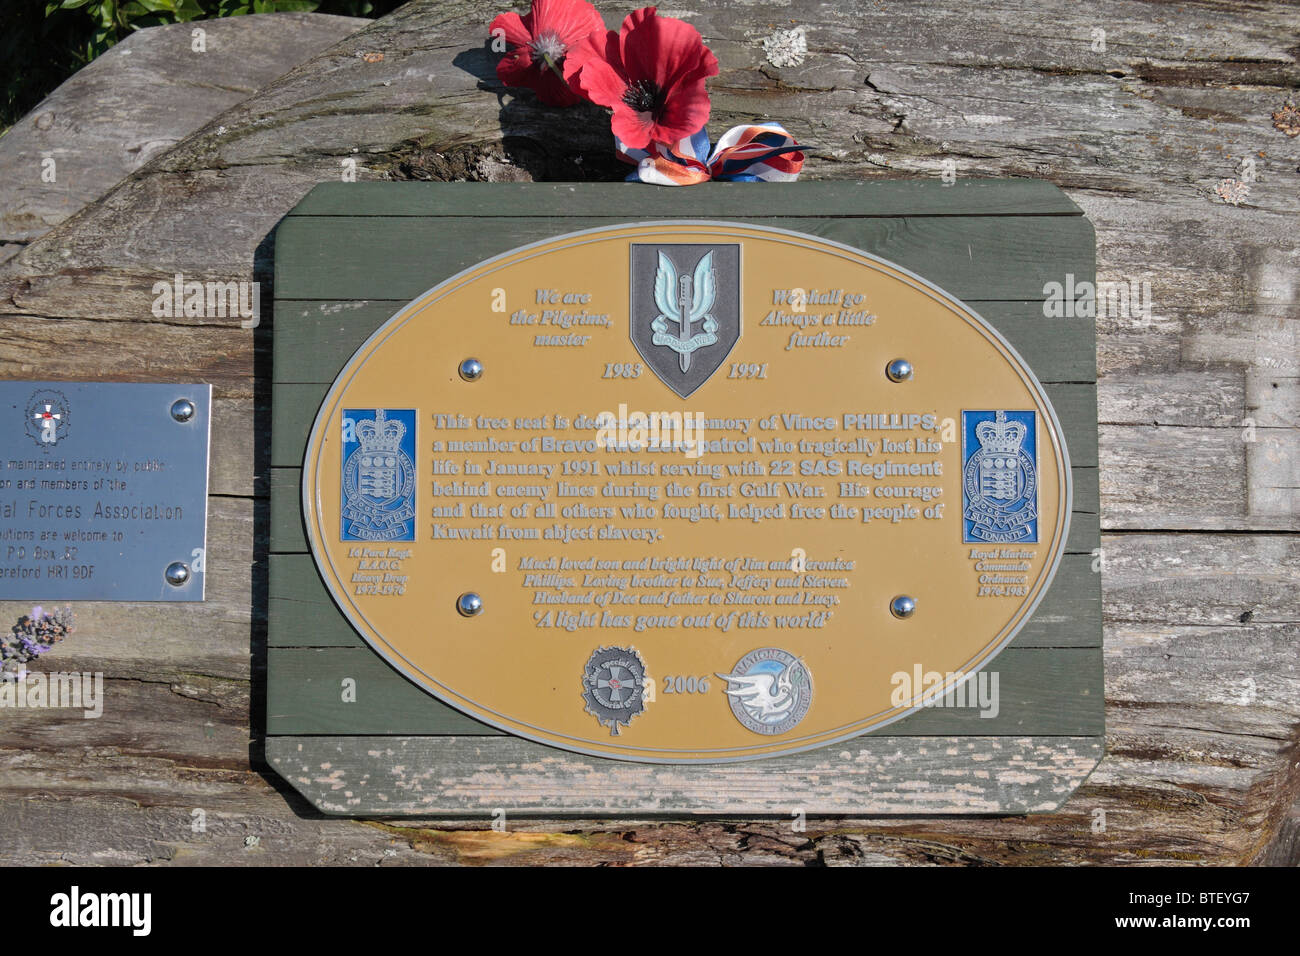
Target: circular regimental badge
{"points": [[770, 690]]}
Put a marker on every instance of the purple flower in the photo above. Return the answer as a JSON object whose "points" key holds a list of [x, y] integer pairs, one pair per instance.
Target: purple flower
{"points": [[38, 612]]}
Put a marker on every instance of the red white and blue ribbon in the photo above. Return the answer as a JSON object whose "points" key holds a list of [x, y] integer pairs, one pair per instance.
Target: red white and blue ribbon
{"points": [[755, 153]]}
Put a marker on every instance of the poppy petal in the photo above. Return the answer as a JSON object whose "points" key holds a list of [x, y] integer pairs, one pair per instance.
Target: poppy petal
{"points": [[683, 113], [570, 20], [512, 28], [662, 49], [633, 128], [517, 69], [551, 88], [596, 67], [701, 70], [636, 44]]}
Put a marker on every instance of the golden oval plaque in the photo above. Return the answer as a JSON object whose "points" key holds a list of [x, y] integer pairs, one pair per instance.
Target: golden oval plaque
{"points": [[686, 492]]}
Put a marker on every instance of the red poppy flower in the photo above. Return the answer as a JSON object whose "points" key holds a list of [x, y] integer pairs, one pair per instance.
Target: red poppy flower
{"points": [[651, 74], [541, 42]]}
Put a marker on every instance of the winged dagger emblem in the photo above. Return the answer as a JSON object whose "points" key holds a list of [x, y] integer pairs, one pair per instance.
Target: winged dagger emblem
{"points": [[768, 697], [683, 301]]}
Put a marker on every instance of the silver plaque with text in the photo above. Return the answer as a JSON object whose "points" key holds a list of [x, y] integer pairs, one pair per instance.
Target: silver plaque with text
{"points": [[103, 491]]}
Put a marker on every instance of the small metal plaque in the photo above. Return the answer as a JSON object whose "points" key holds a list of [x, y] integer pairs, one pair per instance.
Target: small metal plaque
{"points": [[687, 492], [103, 491]]}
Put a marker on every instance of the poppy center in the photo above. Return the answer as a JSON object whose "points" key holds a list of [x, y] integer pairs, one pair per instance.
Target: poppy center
{"points": [[645, 96], [549, 46]]}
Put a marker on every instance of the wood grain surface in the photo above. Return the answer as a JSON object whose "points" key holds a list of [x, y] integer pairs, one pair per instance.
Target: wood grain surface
{"points": [[1197, 400], [152, 90]]}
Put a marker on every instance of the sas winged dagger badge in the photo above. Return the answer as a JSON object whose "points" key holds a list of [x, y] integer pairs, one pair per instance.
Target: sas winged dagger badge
{"points": [[685, 300], [685, 310]]}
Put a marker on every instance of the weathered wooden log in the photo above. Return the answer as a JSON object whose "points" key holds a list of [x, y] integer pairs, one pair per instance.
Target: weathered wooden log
{"points": [[1150, 133], [138, 100]]}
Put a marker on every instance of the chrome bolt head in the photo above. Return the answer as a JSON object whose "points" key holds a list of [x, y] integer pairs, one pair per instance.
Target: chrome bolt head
{"points": [[176, 574], [183, 409], [902, 607], [471, 369], [469, 604], [899, 370]]}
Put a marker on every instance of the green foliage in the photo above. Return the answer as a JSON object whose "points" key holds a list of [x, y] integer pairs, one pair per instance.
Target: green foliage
{"points": [[111, 19], [43, 42]]}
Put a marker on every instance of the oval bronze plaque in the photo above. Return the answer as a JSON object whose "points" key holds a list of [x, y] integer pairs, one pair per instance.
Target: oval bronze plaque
{"points": [[708, 492]]}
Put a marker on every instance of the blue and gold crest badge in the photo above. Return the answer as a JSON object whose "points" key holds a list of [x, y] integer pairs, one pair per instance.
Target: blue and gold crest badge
{"points": [[378, 479], [999, 477]]}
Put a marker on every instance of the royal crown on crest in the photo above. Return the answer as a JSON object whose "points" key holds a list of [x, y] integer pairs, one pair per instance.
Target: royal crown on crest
{"points": [[1000, 437], [380, 436]]}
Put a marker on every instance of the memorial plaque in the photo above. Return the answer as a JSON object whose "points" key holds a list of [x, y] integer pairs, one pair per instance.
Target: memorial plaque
{"points": [[437, 650], [687, 492], [103, 491]]}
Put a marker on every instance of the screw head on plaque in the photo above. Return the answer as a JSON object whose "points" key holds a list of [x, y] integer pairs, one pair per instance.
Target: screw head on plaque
{"points": [[899, 370], [902, 606], [183, 409], [469, 604]]}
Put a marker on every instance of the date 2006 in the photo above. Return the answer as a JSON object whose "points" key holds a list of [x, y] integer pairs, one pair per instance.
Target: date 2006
{"points": [[686, 685]]}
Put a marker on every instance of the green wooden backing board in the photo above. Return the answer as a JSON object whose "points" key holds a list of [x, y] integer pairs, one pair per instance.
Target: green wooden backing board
{"points": [[351, 254]]}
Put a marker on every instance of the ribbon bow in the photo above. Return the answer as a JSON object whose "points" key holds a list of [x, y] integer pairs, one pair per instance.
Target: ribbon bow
{"points": [[755, 153]]}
